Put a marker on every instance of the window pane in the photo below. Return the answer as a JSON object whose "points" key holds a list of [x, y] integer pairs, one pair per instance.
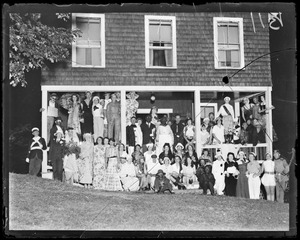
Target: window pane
{"points": [[222, 34], [80, 56], [153, 33], [94, 31], [160, 33], [166, 33], [158, 58], [233, 35], [169, 57], [82, 24], [222, 56], [235, 56], [96, 56]]}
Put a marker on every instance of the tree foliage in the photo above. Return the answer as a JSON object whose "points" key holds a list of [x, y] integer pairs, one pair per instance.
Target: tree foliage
{"points": [[33, 44]]}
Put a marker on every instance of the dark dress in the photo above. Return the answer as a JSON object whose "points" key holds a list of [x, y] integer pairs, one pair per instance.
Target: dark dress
{"points": [[87, 126], [230, 181], [242, 188]]}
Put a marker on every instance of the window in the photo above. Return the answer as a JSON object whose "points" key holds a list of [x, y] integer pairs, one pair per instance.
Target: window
{"points": [[89, 49], [228, 43], [160, 42]]}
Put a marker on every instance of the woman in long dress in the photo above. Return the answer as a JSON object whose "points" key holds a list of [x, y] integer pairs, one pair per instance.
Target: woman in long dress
{"points": [[86, 161], [87, 124], [164, 135], [112, 180], [74, 114], [98, 117], [99, 164], [242, 186], [231, 175]]}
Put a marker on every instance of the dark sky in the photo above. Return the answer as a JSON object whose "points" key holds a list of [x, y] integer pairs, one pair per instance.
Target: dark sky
{"points": [[283, 66]]}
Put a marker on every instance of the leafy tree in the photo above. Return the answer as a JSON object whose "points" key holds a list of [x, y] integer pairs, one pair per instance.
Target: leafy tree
{"points": [[33, 45]]}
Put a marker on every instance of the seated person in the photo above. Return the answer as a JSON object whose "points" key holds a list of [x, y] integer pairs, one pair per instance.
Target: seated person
{"points": [[207, 180], [204, 135], [205, 156], [165, 153], [244, 134], [179, 150], [189, 173], [151, 169], [176, 175], [200, 171], [128, 175], [162, 183], [141, 173]]}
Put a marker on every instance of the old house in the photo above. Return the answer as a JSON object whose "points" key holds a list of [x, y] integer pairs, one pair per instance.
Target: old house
{"points": [[180, 58]]}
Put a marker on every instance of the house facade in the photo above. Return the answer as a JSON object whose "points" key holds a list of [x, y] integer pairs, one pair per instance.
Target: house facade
{"points": [[180, 58]]}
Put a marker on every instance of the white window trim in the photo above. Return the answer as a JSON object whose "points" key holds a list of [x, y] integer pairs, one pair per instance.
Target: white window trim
{"points": [[156, 17], [241, 38], [89, 15]]}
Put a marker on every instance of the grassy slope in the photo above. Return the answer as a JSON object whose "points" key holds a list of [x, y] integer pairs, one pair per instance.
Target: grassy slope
{"points": [[42, 204]]}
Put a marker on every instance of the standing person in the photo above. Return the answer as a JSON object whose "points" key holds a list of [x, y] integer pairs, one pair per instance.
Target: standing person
{"points": [[98, 117], [57, 126], [189, 132], [52, 113], [177, 129], [218, 172], [255, 109], [191, 152], [86, 161], [74, 114], [56, 154], [112, 179], [247, 109], [218, 132], [226, 110], [166, 153], [113, 113], [87, 115], [268, 179], [204, 135], [244, 134], [128, 176], [242, 187], [281, 175], [148, 130], [164, 135], [99, 164], [211, 122], [231, 175], [154, 116], [35, 152], [130, 135], [253, 174], [138, 132]]}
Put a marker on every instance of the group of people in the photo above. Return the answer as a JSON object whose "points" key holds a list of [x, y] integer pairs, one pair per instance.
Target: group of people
{"points": [[107, 165]]}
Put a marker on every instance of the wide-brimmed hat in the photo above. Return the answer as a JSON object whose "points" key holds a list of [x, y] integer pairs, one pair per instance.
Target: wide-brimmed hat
{"points": [[252, 153], [160, 171], [57, 118], [179, 145], [206, 119], [96, 97], [166, 158], [35, 129], [227, 98], [53, 95]]}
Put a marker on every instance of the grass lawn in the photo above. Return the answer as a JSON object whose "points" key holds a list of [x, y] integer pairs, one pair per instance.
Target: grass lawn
{"points": [[43, 204]]}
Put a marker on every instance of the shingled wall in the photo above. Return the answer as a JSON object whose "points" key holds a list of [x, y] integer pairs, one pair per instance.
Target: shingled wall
{"points": [[125, 54]]}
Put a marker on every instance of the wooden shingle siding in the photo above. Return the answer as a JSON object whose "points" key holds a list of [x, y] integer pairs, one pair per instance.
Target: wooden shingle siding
{"points": [[125, 54]]}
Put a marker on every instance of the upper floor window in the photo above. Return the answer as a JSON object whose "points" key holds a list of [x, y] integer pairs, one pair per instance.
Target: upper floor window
{"points": [[228, 43], [160, 42], [89, 49]]}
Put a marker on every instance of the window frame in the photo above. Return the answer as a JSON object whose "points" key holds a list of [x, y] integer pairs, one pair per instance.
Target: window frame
{"points": [[239, 21], [102, 39], [148, 18]]}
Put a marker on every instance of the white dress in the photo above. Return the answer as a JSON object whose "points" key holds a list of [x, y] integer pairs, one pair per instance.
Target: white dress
{"points": [[268, 179], [165, 135]]}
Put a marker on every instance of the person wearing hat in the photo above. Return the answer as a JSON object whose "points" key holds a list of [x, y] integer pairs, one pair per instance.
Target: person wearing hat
{"points": [[268, 179], [98, 117], [227, 113], [149, 152], [87, 114], [242, 186], [35, 152], [177, 128], [57, 126], [218, 169], [151, 169], [148, 130], [281, 175], [56, 154], [253, 173], [179, 150], [162, 183], [128, 177], [113, 114], [52, 113]]}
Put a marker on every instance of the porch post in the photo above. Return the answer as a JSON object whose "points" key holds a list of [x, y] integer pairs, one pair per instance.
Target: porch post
{"points": [[123, 116], [269, 123], [44, 129], [197, 112]]}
